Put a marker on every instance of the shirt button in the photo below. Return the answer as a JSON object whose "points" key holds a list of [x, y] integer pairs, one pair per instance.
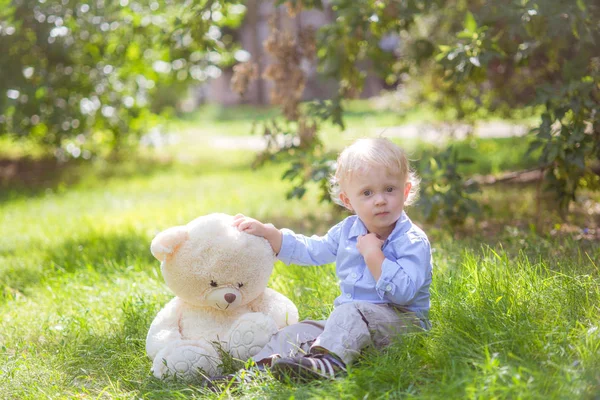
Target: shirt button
{"points": [[348, 295], [388, 288], [354, 275]]}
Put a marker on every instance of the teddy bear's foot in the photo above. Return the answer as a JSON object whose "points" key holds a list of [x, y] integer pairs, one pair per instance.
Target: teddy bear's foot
{"points": [[249, 334], [187, 362]]}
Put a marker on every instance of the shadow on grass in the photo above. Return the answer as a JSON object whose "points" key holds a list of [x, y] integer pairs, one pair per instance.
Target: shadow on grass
{"points": [[92, 251], [105, 254], [30, 178]]}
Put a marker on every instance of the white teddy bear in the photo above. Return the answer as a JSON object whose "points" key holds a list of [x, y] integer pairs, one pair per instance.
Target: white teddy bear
{"points": [[219, 276]]}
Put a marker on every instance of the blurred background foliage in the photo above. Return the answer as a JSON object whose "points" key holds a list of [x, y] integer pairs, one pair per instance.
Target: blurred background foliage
{"points": [[467, 58], [84, 80]]}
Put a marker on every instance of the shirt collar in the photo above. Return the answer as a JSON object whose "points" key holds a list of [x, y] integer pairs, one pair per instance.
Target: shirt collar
{"points": [[358, 228]]}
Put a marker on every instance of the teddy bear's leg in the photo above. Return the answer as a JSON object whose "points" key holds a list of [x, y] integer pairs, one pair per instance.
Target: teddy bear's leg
{"points": [[250, 333], [189, 360]]}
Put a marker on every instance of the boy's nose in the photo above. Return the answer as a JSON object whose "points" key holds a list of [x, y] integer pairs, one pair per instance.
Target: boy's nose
{"points": [[379, 199]]}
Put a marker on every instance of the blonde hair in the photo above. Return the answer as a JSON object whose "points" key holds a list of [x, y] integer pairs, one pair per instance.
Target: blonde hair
{"points": [[370, 152]]}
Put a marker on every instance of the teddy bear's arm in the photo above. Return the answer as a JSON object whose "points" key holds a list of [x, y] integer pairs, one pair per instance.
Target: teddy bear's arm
{"points": [[164, 330], [277, 306]]}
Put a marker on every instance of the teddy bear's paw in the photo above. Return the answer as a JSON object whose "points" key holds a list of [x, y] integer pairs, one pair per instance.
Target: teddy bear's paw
{"points": [[187, 362], [250, 334], [162, 368]]}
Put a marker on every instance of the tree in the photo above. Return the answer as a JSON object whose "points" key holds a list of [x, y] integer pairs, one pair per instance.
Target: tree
{"points": [[472, 55], [78, 79], [541, 54]]}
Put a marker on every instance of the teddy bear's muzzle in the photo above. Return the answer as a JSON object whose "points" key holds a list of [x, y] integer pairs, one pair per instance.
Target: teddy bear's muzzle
{"points": [[230, 297], [224, 298]]}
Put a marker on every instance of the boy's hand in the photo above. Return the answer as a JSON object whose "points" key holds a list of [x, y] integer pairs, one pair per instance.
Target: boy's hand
{"points": [[257, 228], [369, 246], [367, 243], [249, 225]]}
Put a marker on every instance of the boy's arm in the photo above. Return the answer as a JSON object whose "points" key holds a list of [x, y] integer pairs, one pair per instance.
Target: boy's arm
{"points": [[274, 236], [291, 247], [370, 247], [398, 280]]}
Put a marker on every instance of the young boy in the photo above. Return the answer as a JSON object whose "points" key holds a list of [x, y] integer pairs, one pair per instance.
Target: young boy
{"points": [[383, 262]]}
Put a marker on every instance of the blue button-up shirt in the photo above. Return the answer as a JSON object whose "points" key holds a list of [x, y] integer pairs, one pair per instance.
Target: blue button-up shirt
{"points": [[405, 272]]}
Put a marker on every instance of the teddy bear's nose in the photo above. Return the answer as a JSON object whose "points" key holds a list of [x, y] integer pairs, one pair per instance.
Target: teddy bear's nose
{"points": [[230, 298]]}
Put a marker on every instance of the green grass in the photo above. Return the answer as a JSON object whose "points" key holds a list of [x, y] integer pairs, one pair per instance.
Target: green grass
{"points": [[366, 118], [496, 155], [515, 313], [362, 117]]}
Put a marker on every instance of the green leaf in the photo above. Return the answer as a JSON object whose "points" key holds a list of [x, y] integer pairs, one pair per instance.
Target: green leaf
{"points": [[290, 174], [465, 35], [469, 23], [574, 30]]}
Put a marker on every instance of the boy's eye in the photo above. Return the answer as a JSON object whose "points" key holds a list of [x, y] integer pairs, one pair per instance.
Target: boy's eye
{"points": [[213, 284], [389, 189], [367, 193]]}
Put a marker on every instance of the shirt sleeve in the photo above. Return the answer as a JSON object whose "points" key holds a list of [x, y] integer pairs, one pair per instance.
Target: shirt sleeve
{"points": [[401, 279], [314, 250]]}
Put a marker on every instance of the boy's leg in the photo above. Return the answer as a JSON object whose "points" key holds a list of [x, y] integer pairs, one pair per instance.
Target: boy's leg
{"points": [[346, 333], [353, 326], [349, 329], [290, 341]]}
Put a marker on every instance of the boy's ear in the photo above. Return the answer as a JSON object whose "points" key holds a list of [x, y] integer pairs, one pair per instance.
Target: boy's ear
{"points": [[168, 241], [407, 188], [346, 201]]}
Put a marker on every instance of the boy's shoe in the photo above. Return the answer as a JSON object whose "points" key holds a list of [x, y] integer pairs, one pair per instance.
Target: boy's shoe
{"points": [[309, 367]]}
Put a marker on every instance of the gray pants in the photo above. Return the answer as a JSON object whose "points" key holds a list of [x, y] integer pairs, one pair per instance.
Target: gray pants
{"points": [[350, 328]]}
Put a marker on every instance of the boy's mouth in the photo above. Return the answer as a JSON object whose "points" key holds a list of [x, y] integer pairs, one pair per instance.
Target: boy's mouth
{"points": [[381, 214]]}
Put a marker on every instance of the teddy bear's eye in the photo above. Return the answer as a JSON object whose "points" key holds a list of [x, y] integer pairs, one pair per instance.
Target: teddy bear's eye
{"points": [[240, 284], [213, 284]]}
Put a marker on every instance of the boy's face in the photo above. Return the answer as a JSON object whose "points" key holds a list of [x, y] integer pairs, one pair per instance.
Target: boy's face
{"points": [[377, 197]]}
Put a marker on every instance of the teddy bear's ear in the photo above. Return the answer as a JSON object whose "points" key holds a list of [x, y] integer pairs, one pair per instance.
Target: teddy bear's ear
{"points": [[167, 242]]}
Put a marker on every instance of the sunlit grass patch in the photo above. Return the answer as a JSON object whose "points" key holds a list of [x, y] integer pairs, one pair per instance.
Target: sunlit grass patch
{"points": [[76, 332]]}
